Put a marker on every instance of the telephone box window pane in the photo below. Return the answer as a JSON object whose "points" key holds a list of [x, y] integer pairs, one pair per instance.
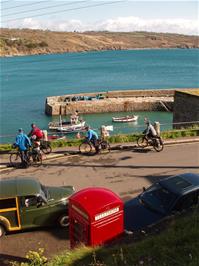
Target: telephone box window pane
{"points": [[78, 230], [80, 233]]}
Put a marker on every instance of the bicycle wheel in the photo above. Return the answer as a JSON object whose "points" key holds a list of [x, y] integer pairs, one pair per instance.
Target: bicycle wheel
{"points": [[46, 148], [104, 147], [15, 159], [142, 142], [158, 145], [36, 159], [85, 148]]}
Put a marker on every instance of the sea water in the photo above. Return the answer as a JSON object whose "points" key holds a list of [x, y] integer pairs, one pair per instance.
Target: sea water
{"points": [[26, 82]]}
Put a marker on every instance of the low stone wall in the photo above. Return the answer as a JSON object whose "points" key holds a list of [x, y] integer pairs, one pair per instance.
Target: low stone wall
{"points": [[113, 101]]}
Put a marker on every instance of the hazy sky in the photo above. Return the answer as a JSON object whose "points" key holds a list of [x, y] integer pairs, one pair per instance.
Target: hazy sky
{"points": [[64, 15]]}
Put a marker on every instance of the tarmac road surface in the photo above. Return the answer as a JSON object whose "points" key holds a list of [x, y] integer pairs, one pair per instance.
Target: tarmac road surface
{"points": [[125, 172]]}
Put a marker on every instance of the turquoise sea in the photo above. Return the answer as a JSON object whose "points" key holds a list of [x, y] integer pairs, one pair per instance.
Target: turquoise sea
{"points": [[27, 81]]}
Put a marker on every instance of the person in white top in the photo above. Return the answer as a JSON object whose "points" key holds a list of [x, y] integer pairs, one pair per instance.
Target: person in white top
{"points": [[150, 130]]}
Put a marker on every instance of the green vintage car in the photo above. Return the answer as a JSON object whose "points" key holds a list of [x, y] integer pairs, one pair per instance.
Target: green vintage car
{"points": [[26, 203]]}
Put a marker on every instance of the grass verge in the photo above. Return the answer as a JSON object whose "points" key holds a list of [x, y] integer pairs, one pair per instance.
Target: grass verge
{"points": [[122, 138], [177, 245]]}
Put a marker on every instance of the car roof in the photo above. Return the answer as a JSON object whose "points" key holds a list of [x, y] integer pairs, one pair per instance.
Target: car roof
{"points": [[181, 184], [19, 187]]}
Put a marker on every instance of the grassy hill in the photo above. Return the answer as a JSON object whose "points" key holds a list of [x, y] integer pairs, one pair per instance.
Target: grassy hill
{"points": [[14, 42]]}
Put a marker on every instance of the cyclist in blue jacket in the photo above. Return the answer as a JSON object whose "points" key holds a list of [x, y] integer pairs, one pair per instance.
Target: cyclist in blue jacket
{"points": [[22, 142], [92, 136]]}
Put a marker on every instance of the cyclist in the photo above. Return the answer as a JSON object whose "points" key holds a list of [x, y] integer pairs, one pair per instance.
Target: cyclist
{"points": [[22, 142], [36, 131], [92, 136], [150, 130], [36, 135]]}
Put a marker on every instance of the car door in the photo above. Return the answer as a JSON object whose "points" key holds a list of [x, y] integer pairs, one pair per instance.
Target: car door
{"points": [[186, 201], [34, 212], [9, 214]]}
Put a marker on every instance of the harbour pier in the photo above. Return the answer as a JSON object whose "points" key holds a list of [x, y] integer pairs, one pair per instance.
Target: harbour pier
{"points": [[111, 101]]}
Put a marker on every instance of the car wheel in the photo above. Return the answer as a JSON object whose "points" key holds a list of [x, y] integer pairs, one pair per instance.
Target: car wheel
{"points": [[2, 230], [63, 221]]}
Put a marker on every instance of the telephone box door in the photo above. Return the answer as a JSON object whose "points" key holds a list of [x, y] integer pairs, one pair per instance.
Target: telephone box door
{"points": [[81, 234]]}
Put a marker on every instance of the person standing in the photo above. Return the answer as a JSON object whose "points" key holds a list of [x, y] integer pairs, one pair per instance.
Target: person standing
{"points": [[22, 142], [104, 133]]}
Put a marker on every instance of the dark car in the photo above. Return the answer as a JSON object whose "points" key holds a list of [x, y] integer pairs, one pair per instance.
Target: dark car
{"points": [[166, 197], [26, 203]]}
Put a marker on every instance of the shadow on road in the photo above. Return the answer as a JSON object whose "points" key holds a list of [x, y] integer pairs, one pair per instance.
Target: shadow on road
{"points": [[123, 166], [5, 260]]}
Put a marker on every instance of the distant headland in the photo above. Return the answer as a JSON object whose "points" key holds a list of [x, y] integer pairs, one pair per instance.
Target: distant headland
{"points": [[18, 42]]}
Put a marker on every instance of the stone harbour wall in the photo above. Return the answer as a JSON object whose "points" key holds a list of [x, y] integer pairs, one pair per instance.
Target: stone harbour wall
{"points": [[111, 101], [186, 108]]}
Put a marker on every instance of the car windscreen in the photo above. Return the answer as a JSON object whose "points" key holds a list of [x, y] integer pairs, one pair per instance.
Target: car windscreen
{"points": [[44, 192], [158, 198]]}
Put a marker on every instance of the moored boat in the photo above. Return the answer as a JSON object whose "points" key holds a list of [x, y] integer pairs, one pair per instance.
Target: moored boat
{"points": [[125, 119], [74, 125]]}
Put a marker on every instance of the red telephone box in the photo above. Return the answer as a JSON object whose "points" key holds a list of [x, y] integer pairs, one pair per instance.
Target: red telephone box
{"points": [[96, 216]]}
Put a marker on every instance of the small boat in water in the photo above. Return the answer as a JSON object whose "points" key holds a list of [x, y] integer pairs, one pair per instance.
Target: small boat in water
{"points": [[56, 137], [72, 126], [125, 119]]}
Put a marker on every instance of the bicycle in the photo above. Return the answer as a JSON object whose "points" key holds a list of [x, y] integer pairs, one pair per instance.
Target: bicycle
{"points": [[156, 142], [45, 146], [87, 147], [32, 157]]}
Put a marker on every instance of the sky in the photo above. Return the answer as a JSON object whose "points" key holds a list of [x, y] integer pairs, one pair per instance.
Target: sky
{"points": [[97, 15]]}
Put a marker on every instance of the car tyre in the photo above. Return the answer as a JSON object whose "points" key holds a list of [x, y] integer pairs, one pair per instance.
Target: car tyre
{"points": [[63, 220]]}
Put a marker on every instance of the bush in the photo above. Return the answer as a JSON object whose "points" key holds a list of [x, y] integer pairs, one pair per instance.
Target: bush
{"points": [[36, 258], [43, 44], [31, 45]]}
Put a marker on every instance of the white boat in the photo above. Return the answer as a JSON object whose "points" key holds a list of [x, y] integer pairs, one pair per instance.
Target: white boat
{"points": [[72, 128], [125, 119], [74, 125]]}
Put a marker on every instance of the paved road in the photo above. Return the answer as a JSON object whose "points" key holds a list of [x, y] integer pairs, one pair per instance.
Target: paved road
{"points": [[125, 172]]}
